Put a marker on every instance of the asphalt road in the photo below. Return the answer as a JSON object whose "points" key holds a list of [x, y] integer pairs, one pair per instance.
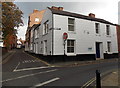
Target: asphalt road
{"points": [[28, 72]]}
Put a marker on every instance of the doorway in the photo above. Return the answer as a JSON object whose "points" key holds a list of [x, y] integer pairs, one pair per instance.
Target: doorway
{"points": [[99, 50]]}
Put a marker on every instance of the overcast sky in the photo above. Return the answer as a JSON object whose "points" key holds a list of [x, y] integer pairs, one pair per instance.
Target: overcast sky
{"points": [[105, 9]]}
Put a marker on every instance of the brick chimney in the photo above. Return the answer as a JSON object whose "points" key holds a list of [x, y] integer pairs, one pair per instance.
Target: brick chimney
{"points": [[35, 10], [60, 8], [57, 8], [92, 15]]}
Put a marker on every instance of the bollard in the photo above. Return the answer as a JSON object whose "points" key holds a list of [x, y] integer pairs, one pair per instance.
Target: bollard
{"points": [[98, 79]]}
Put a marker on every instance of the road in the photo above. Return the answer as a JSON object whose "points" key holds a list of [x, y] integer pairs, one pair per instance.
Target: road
{"points": [[26, 71]]}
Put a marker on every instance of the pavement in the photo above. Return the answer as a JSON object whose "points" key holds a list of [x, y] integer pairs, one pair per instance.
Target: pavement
{"points": [[8, 54], [111, 79]]}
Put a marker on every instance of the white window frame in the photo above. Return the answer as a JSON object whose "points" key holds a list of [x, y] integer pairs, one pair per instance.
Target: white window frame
{"points": [[97, 28], [45, 27], [108, 30], [70, 46], [73, 25]]}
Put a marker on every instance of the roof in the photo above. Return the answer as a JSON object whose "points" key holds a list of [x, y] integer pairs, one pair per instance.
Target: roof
{"points": [[66, 13]]}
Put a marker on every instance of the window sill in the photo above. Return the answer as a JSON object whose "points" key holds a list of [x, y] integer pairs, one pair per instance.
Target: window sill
{"points": [[72, 32], [71, 54], [109, 53], [98, 35], [108, 35]]}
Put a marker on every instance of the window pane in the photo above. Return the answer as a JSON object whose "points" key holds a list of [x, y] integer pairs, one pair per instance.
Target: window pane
{"points": [[70, 21], [68, 43], [97, 27], [70, 28], [108, 29], [68, 49], [72, 49], [72, 42], [70, 46]]}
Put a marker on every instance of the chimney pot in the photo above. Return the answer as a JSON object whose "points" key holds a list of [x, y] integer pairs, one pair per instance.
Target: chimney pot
{"points": [[92, 15], [57, 8], [60, 8]]}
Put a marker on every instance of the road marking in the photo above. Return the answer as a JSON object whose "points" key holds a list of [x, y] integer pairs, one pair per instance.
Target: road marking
{"points": [[49, 81], [88, 83], [28, 75], [16, 66], [37, 59], [26, 69]]}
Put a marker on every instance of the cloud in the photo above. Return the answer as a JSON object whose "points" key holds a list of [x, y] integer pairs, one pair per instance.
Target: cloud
{"points": [[21, 32]]}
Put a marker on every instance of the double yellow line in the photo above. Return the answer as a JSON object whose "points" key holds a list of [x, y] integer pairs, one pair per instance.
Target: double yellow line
{"points": [[88, 83]]}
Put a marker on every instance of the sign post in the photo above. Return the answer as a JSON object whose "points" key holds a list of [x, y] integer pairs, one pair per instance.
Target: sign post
{"points": [[65, 36]]}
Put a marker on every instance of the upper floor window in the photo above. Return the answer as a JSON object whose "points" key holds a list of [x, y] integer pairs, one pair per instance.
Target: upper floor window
{"points": [[37, 19], [97, 28], [108, 29], [71, 23], [45, 27], [36, 33]]}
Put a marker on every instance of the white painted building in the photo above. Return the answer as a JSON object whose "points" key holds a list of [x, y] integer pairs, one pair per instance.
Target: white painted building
{"points": [[87, 35]]}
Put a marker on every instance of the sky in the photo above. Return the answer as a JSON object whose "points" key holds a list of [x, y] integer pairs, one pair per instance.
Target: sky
{"points": [[104, 9]]}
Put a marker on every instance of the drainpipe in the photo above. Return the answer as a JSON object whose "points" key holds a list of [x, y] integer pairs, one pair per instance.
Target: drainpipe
{"points": [[52, 34]]}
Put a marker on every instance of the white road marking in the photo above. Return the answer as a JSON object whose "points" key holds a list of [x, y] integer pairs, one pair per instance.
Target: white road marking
{"points": [[26, 69], [16, 66], [28, 75], [49, 81]]}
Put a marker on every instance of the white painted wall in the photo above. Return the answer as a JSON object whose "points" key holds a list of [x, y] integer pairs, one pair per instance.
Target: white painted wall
{"points": [[83, 41], [42, 37]]}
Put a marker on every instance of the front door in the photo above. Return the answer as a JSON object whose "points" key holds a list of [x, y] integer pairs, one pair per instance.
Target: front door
{"points": [[97, 50]]}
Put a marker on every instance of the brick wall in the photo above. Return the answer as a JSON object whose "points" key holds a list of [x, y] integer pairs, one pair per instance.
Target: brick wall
{"points": [[118, 36]]}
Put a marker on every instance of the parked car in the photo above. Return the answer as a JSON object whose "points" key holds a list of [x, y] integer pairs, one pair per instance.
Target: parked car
{"points": [[19, 46]]}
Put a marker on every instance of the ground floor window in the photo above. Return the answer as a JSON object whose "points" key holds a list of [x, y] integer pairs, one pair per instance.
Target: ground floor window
{"points": [[70, 46]]}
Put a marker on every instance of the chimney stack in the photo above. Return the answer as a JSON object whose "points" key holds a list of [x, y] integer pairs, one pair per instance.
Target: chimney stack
{"points": [[92, 15], [57, 8], [35, 10]]}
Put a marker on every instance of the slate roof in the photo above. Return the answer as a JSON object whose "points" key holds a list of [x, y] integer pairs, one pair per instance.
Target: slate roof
{"points": [[66, 13]]}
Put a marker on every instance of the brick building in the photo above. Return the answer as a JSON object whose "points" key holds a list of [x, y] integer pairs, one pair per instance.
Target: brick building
{"points": [[34, 18]]}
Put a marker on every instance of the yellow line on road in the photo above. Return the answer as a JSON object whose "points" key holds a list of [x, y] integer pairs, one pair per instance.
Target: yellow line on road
{"points": [[88, 83], [38, 59]]}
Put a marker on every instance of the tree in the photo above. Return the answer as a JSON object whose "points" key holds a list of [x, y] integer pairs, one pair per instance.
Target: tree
{"points": [[11, 19]]}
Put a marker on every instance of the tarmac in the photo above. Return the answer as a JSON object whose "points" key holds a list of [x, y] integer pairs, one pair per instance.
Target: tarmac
{"points": [[110, 80]]}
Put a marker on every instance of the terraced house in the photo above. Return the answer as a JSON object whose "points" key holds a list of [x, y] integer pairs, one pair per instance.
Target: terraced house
{"points": [[88, 37]]}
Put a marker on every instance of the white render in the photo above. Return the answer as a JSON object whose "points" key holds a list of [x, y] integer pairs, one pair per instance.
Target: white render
{"points": [[84, 35]]}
